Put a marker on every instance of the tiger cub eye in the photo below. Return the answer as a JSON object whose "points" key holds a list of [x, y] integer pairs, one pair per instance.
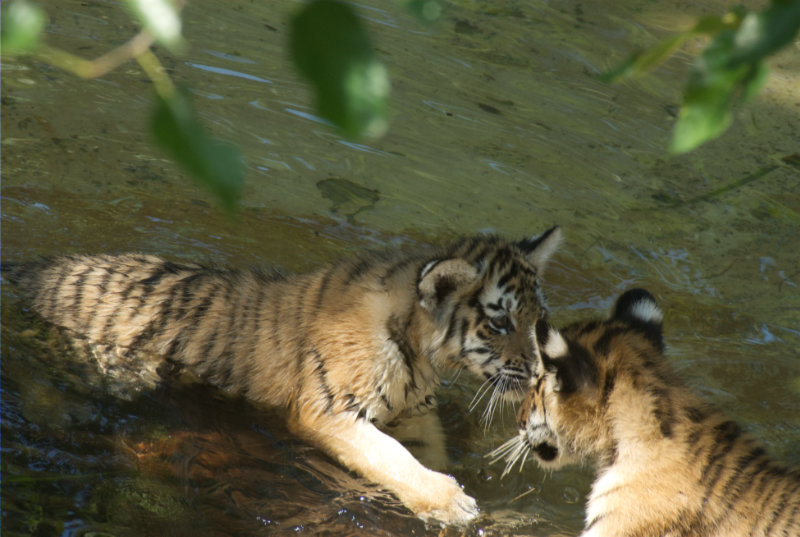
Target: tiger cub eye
{"points": [[501, 324]]}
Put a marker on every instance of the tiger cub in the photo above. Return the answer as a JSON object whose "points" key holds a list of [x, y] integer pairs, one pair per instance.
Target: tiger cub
{"points": [[347, 350], [668, 463]]}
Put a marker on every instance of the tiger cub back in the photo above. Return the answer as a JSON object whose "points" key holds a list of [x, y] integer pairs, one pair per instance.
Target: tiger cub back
{"points": [[347, 349], [668, 463]]}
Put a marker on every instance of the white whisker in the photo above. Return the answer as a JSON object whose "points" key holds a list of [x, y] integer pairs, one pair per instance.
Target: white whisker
{"points": [[503, 449], [515, 498], [480, 394], [513, 450], [498, 392], [456, 374]]}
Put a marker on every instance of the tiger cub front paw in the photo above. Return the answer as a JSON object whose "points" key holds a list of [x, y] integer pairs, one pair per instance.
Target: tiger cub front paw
{"points": [[443, 501]]}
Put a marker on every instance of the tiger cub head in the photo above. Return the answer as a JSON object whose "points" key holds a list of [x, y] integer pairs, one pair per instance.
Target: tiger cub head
{"points": [[483, 296], [565, 417]]}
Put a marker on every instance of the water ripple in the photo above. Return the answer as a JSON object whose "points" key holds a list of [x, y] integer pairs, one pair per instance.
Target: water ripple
{"points": [[228, 72]]}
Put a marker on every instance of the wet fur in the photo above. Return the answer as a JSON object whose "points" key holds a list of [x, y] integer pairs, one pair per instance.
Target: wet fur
{"points": [[347, 349], [669, 464]]}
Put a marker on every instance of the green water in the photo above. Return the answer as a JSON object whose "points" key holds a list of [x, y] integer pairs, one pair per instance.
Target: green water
{"points": [[497, 123]]}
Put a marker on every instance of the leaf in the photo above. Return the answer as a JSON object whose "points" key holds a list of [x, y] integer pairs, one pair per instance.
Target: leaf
{"points": [[761, 34], [213, 164], [641, 63], [161, 18], [22, 27], [330, 47], [705, 112], [754, 81], [713, 87]]}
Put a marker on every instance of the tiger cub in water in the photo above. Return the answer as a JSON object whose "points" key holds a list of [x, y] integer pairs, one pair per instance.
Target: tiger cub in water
{"points": [[668, 463], [347, 349]]}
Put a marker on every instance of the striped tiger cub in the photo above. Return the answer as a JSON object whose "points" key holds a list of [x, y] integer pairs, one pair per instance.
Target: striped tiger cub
{"points": [[348, 349], [668, 463]]}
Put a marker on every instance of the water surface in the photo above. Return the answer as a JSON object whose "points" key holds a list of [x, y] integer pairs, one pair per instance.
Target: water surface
{"points": [[497, 124]]}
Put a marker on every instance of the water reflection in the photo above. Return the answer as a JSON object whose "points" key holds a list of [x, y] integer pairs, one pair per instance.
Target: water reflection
{"points": [[228, 72]]}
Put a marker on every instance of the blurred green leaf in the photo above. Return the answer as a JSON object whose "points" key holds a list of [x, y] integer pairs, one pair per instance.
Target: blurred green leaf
{"points": [[330, 47], [215, 165], [754, 81], [22, 26], [761, 34], [731, 68], [705, 112], [641, 63], [161, 18]]}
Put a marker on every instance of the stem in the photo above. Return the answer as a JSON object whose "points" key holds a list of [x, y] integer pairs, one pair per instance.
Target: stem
{"points": [[153, 68], [139, 44]]}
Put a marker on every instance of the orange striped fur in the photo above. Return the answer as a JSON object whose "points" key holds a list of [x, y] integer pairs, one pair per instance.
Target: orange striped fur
{"points": [[668, 463]]}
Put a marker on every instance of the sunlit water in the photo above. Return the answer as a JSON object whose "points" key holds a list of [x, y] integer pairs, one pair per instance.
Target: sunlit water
{"points": [[497, 123]]}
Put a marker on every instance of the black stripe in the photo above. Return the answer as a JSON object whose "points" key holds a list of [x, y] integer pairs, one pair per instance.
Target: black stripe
{"points": [[464, 329], [190, 328], [603, 344], [505, 278], [738, 482], [726, 435], [322, 376], [467, 248], [608, 387], [452, 325], [157, 323], [499, 262], [252, 356], [697, 414], [663, 411], [166, 268], [224, 362], [120, 300], [394, 268], [323, 287], [476, 350], [398, 330], [359, 269], [771, 486], [102, 285], [55, 289], [776, 512], [77, 298], [351, 403], [492, 357]]}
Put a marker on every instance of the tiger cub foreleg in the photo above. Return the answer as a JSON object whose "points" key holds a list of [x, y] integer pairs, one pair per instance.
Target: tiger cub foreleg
{"points": [[381, 459]]}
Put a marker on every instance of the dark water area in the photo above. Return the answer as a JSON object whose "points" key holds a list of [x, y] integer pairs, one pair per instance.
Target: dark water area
{"points": [[499, 124]]}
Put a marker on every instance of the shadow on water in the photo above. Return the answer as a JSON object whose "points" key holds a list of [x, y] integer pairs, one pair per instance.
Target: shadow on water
{"points": [[498, 124]]}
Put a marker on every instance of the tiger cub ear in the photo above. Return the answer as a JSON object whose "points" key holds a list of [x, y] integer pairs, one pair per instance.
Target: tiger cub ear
{"points": [[439, 278], [539, 248], [570, 365], [638, 308]]}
